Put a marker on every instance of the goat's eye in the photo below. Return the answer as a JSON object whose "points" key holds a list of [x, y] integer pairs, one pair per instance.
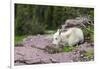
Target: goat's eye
{"points": [[56, 38]]}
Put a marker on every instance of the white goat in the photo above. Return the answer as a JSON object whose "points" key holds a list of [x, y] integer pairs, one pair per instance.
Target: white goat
{"points": [[70, 37]]}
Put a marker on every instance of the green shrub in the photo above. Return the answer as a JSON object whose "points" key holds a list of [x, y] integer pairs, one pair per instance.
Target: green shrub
{"points": [[89, 33]]}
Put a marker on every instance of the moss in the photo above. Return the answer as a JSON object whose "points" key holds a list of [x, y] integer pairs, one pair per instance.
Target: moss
{"points": [[89, 54]]}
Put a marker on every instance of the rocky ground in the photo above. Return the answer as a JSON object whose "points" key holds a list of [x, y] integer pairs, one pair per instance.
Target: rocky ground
{"points": [[39, 50]]}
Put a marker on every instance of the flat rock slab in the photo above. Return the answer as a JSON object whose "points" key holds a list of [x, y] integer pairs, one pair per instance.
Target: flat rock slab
{"points": [[29, 55], [38, 41], [33, 52], [62, 57]]}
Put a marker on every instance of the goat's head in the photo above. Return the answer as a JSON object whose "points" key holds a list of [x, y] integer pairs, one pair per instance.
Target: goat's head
{"points": [[57, 37]]}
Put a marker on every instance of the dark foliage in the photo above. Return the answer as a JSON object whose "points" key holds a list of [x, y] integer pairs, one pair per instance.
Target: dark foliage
{"points": [[35, 19]]}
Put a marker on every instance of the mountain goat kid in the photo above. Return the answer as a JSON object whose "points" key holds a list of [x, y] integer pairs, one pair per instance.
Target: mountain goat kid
{"points": [[70, 37]]}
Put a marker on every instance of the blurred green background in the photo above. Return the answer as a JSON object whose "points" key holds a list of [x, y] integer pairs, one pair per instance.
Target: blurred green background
{"points": [[43, 19]]}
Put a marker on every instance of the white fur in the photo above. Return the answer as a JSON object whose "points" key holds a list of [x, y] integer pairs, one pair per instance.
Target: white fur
{"points": [[70, 37]]}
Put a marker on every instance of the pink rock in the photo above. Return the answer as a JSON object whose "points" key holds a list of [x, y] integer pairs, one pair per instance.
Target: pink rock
{"points": [[62, 57], [38, 41]]}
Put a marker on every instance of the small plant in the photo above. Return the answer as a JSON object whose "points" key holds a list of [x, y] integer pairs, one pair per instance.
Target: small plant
{"points": [[68, 48]]}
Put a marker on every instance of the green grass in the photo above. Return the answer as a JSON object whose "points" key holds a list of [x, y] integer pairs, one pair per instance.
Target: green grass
{"points": [[50, 31], [18, 39], [68, 48]]}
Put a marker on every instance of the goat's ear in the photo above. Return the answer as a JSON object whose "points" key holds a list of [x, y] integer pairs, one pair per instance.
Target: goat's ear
{"points": [[59, 31]]}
